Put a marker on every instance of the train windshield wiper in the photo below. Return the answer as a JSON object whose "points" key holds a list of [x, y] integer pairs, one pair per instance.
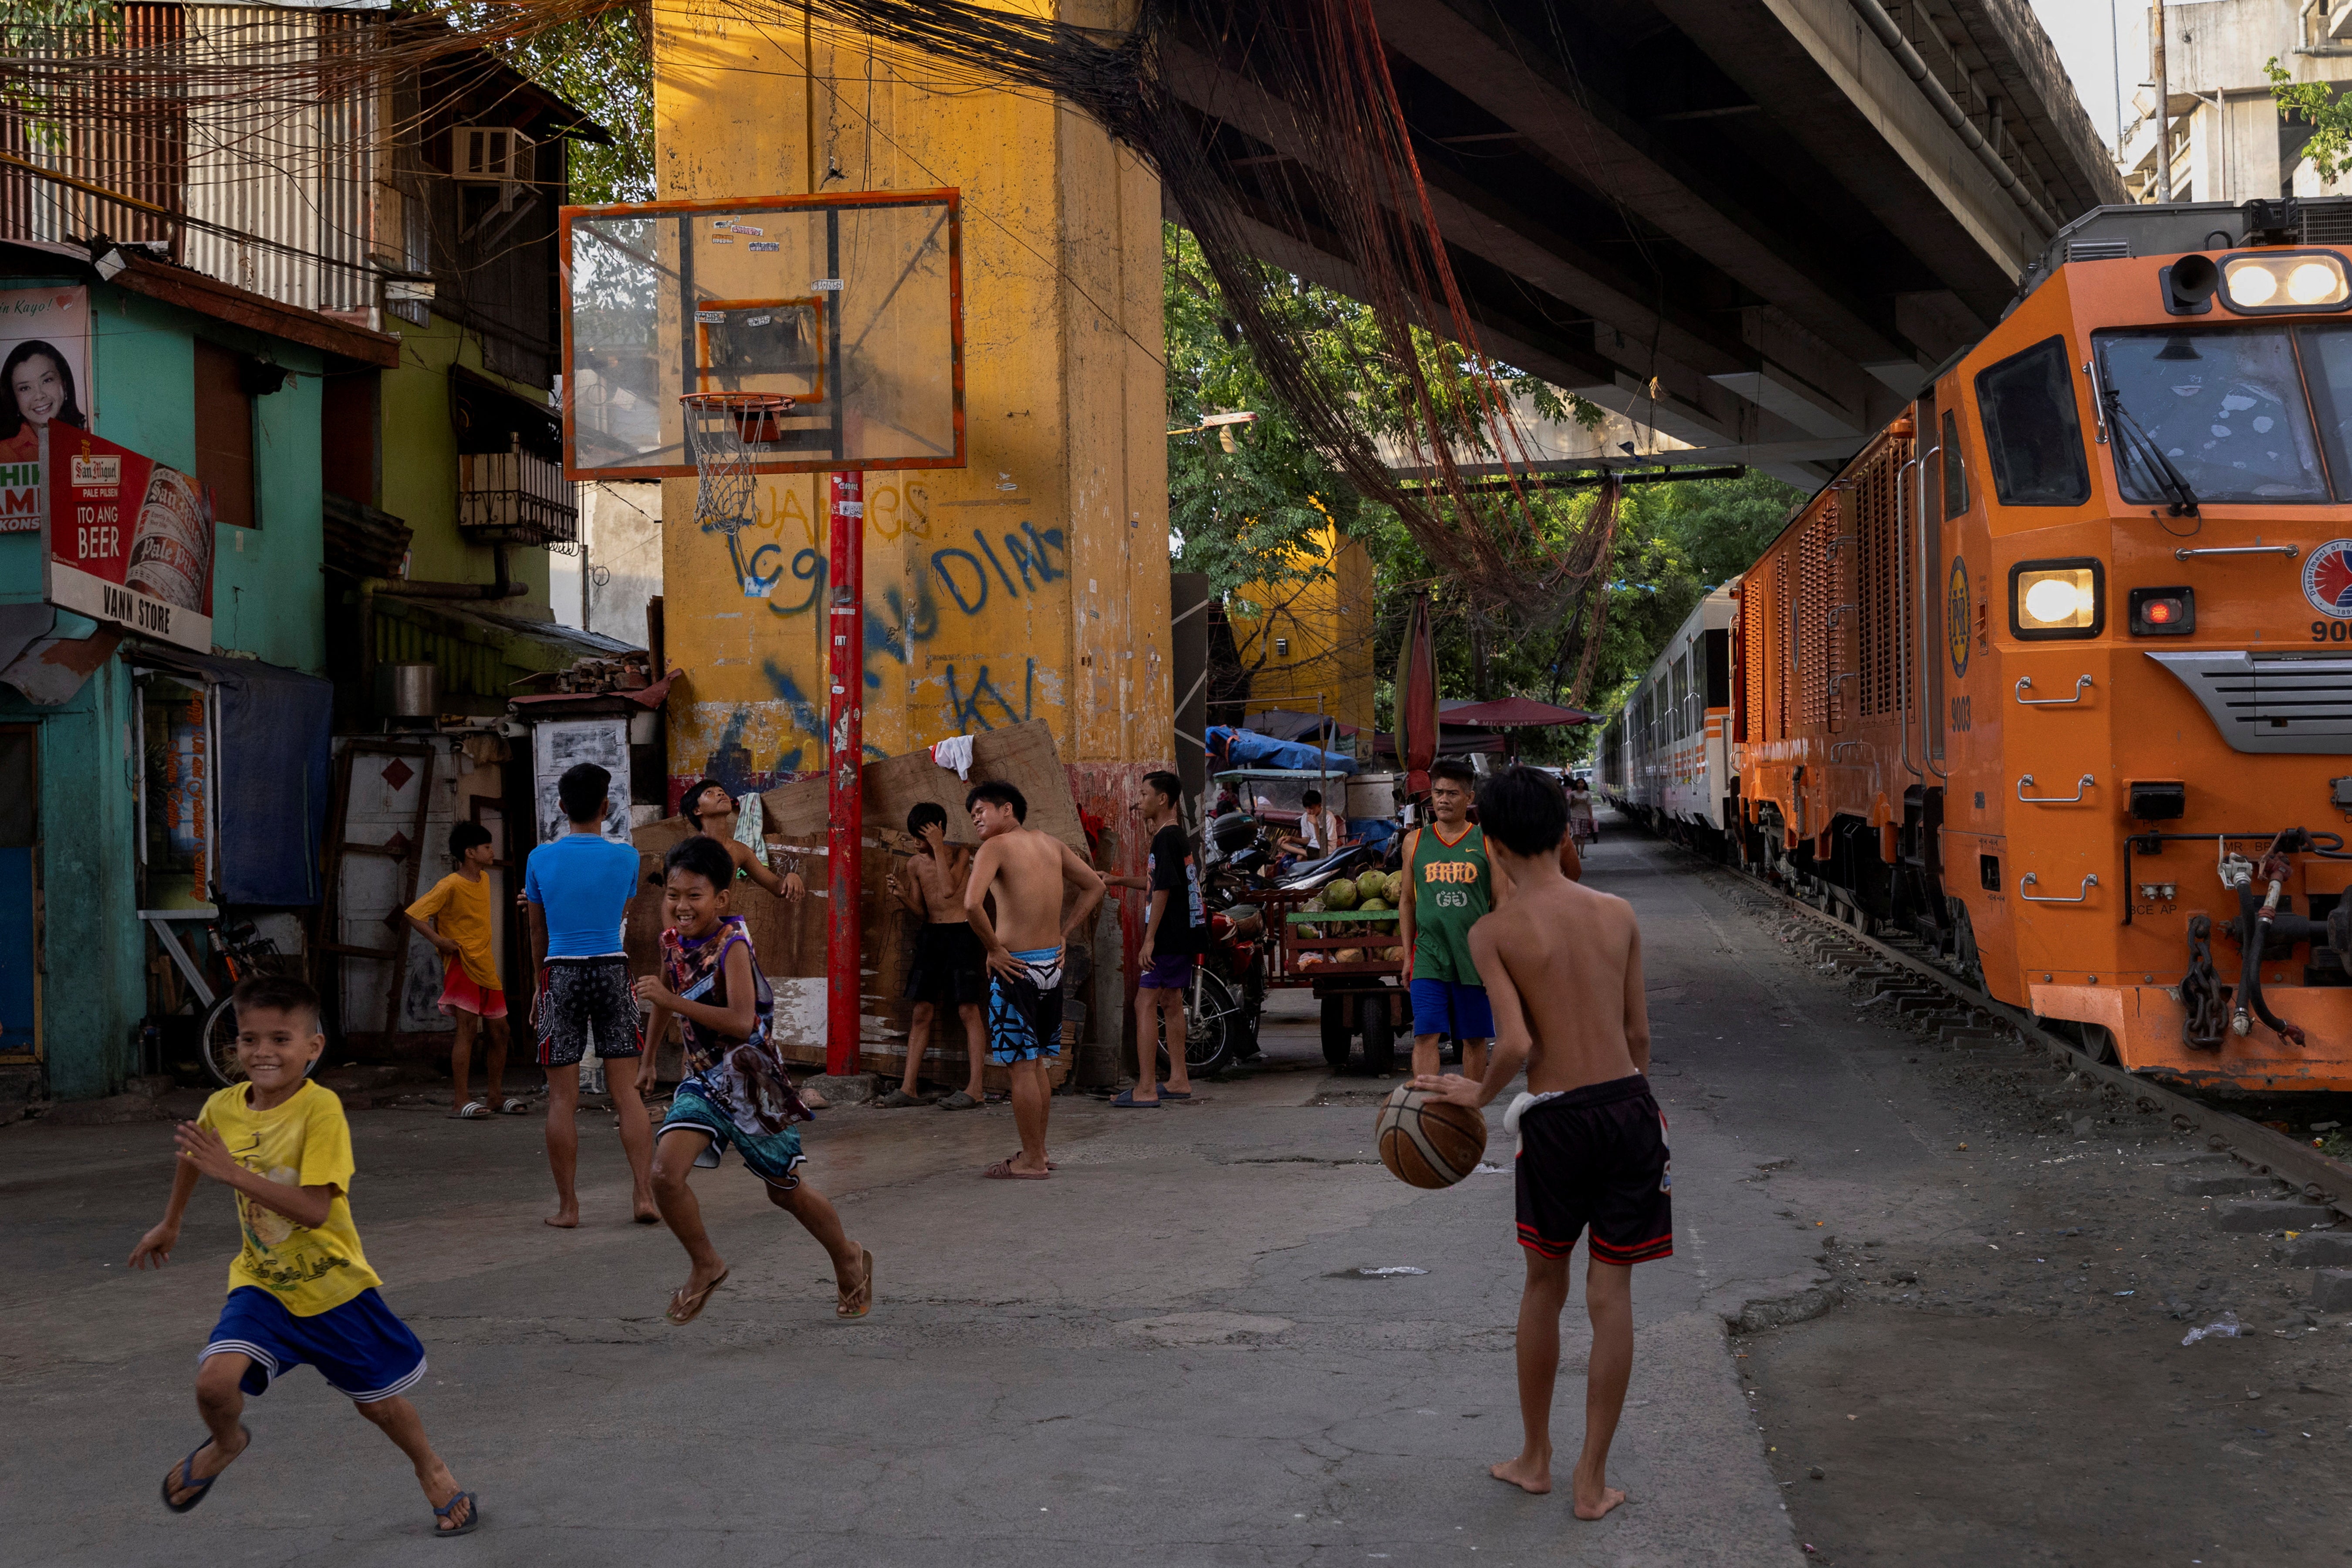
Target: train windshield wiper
{"points": [[2151, 456]]}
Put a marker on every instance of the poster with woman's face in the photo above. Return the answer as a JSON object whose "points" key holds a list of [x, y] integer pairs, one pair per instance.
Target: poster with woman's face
{"points": [[44, 381]]}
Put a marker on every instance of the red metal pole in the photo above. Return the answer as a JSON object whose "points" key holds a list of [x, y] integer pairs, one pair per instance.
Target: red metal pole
{"points": [[844, 754]]}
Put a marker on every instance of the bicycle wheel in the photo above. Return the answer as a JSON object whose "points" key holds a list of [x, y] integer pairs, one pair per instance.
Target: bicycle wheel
{"points": [[216, 1043]]}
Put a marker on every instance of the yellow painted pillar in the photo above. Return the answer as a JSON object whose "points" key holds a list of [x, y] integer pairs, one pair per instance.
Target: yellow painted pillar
{"points": [[1033, 584]]}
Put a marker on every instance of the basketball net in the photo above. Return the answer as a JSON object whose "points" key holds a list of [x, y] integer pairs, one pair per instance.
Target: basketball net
{"points": [[726, 432]]}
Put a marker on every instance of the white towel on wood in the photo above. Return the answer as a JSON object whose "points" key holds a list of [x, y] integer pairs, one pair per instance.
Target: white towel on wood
{"points": [[751, 826], [954, 752]]}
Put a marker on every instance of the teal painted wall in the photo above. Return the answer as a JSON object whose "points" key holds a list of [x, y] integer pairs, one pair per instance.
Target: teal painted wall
{"points": [[268, 599], [94, 968], [268, 595]]}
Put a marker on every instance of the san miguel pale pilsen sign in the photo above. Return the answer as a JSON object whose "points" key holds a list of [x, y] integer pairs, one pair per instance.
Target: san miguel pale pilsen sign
{"points": [[131, 542]]}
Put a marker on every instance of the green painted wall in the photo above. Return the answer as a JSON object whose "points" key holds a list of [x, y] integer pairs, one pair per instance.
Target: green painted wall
{"points": [[420, 465]]}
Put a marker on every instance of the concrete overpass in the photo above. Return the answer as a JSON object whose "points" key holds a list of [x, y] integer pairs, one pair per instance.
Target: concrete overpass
{"points": [[1749, 224]]}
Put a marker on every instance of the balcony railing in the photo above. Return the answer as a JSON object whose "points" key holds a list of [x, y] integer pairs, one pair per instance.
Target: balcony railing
{"points": [[515, 496]]}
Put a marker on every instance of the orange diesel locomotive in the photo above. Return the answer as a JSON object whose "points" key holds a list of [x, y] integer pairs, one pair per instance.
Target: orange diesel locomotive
{"points": [[2058, 672]]}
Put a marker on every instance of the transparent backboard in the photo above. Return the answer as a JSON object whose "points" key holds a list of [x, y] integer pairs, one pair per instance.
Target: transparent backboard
{"points": [[851, 305]]}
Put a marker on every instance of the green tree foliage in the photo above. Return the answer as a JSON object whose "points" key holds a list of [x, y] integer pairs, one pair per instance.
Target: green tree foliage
{"points": [[2330, 116], [599, 63], [1242, 500]]}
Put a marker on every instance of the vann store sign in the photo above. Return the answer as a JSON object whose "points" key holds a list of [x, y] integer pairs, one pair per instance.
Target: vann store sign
{"points": [[131, 542]]}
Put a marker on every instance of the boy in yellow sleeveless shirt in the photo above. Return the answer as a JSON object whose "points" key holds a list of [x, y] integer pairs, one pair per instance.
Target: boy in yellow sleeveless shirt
{"points": [[300, 1289]]}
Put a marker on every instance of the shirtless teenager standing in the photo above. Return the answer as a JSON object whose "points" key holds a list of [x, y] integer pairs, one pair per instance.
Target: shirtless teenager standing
{"points": [[1025, 871], [948, 976], [1563, 971]]}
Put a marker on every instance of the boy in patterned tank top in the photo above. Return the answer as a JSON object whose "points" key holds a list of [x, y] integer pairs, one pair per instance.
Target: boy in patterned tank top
{"points": [[736, 1091]]}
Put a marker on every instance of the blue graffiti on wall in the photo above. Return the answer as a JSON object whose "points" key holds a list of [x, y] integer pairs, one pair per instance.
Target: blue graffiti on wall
{"points": [[967, 713], [1038, 557], [966, 578]]}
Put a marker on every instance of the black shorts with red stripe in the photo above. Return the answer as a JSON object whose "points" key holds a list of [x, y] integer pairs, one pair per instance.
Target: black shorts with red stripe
{"points": [[1597, 1156]]}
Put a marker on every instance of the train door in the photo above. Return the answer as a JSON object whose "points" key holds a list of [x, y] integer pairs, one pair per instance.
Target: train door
{"points": [[1968, 715]]}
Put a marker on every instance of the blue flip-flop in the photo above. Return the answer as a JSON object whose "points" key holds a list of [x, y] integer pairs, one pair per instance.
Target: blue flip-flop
{"points": [[186, 1475], [473, 1516], [1127, 1101], [1171, 1094]]}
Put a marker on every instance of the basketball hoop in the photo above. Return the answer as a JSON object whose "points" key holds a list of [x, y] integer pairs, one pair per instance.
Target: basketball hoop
{"points": [[724, 431]]}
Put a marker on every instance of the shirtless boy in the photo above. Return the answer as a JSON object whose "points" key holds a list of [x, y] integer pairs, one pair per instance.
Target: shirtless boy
{"points": [[713, 811], [950, 971], [1563, 970], [1025, 871]]}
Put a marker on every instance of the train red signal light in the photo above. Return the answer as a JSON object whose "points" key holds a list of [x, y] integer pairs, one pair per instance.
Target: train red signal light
{"points": [[2163, 612]]}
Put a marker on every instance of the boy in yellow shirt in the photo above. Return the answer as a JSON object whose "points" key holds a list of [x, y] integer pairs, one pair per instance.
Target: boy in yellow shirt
{"points": [[459, 907], [300, 1289]]}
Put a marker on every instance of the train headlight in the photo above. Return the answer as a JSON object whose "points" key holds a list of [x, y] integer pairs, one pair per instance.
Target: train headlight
{"points": [[2270, 282], [2057, 598]]}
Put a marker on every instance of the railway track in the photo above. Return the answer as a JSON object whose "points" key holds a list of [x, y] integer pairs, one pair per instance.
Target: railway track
{"points": [[1908, 975]]}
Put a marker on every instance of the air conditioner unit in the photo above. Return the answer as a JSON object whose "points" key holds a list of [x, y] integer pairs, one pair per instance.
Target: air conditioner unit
{"points": [[489, 153]]}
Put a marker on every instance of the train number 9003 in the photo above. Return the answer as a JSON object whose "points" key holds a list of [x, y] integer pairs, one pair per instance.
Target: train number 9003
{"points": [[1959, 714], [2331, 630]]}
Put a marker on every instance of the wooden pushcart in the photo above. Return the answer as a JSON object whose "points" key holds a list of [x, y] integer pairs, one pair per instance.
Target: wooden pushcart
{"points": [[1363, 996]]}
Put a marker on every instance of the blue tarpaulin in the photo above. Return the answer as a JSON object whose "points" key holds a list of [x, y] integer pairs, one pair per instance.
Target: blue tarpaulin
{"points": [[1248, 748], [274, 730]]}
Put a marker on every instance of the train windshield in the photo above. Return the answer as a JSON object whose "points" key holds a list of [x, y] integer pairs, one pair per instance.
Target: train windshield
{"points": [[2219, 412]]}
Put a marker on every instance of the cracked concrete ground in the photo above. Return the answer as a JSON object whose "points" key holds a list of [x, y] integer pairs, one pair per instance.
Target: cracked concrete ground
{"points": [[1164, 1355]]}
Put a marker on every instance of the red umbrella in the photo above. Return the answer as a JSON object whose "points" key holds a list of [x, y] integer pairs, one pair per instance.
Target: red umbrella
{"points": [[1416, 699]]}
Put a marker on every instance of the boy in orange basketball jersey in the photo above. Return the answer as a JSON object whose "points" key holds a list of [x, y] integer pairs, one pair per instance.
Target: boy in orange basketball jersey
{"points": [[1562, 966]]}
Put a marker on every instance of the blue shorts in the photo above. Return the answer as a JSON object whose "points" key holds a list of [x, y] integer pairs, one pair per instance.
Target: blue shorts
{"points": [[360, 1348], [775, 1157], [1444, 1007]]}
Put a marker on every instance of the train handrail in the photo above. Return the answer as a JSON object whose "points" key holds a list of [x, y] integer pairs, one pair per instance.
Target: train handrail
{"points": [[2080, 785], [1841, 745], [2025, 682], [2289, 551], [2082, 895]]}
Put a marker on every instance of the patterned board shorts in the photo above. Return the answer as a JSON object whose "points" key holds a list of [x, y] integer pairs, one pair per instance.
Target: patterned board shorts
{"points": [[1024, 1014], [775, 1157], [585, 999]]}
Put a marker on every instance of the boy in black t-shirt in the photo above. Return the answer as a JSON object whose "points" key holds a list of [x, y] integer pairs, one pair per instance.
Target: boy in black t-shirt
{"points": [[1171, 938]]}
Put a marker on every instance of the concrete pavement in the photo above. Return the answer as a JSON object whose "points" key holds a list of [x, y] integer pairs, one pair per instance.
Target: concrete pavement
{"points": [[1164, 1355]]}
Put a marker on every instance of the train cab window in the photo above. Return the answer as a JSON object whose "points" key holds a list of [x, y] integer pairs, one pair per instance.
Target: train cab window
{"points": [[2223, 407], [2026, 403], [2327, 365], [1956, 473]]}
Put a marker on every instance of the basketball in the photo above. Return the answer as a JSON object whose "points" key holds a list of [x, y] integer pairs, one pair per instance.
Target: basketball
{"points": [[1429, 1142]]}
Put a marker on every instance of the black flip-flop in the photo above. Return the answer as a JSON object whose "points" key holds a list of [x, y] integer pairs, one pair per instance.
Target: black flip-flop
{"points": [[473, 1516], [1126, 1101], [185, 1475]]}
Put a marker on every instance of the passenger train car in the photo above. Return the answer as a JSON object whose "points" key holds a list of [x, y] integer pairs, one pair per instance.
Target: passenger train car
{"points": [[2057, 673], [1664, 759]]}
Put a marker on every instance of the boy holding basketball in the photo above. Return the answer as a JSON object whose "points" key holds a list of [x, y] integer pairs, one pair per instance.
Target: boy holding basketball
{"points": [[1562, 966]]}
